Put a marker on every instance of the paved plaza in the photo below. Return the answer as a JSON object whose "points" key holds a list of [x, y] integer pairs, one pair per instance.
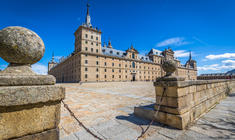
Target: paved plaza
{"points": [[107, 110]]}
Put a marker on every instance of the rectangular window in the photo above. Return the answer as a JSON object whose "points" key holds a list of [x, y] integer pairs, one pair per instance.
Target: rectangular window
{"points": [[97, 69], [97, 62], [105, 76], [120, 71], [86, 42], [112, 70], [112, 64], [91, 36], [91, 49], [91, 43], [96, 44], [86, 48], [86, 35], [105, 70], [113, 76], [119, 65], [86, 61], [96, 38], [119, 76], [86, 69], [86, 76], [103, 51], [105, 63], [97, 76], [97, 50]]}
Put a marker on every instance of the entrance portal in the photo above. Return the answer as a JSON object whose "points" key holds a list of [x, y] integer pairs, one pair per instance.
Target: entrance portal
{"points": [[133, 77]]}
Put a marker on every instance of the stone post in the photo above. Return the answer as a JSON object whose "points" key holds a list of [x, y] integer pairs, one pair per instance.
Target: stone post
{"points": [[29, 103]]}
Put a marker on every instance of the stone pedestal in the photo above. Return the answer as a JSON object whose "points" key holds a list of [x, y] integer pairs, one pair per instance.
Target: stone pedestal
{"points": [[29, 106]]}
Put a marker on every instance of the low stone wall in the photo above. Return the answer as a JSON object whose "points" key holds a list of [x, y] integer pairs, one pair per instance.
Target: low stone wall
{"points": [[185, 101]]}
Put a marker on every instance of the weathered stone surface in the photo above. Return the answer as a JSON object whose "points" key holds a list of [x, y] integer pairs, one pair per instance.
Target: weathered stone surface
{"points": [[23, 95], [19, 45], [169, 67], [52, 134], [32, 119], [26, 80]]}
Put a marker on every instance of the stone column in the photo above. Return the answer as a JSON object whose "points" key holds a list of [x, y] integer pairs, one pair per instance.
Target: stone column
{"points": [[29, 103]]}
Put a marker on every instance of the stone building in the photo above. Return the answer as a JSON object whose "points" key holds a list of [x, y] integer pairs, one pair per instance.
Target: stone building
{"points": [[91, 61]]}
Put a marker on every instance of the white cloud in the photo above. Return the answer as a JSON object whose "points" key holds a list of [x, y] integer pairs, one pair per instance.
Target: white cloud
{"points": [[181, 53], [2, 67], [221, 56], [176, 41], [57, 57], [226, 65], [39, 68]]}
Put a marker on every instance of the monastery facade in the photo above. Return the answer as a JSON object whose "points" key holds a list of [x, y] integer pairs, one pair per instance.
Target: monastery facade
{"points": [[92, 62]]}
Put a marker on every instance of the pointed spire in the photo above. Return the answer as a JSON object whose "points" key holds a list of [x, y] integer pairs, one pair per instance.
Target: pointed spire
{"points": [[109, 44], [88, 18], [190, 55], [53, 58], [132, 46], [104, 45]]}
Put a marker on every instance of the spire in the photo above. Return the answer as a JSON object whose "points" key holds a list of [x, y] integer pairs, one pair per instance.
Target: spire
{"points": [[109, 44], [53, 58], [190, 55], [88, 18], [132, 46]]}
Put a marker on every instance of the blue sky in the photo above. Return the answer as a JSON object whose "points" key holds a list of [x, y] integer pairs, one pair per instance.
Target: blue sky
{"points": [[206, 27]]}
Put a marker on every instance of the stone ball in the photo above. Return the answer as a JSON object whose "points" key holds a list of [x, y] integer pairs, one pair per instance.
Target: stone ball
{"points": [[169, 66], [19, 45]]}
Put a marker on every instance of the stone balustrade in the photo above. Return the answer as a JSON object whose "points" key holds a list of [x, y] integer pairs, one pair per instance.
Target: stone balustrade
{"points": [[185, 101]]}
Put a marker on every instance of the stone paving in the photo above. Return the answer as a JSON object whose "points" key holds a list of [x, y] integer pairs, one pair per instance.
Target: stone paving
{"points": [[107, 110]]}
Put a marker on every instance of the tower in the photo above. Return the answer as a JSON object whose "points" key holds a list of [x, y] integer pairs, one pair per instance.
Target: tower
{"points": [[87, 38], [51, 63]]}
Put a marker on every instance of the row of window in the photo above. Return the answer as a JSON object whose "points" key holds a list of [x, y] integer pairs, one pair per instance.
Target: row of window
{"points": [[86, 35], [133, 65], [91, 43], [113, 76], [91, 49]]}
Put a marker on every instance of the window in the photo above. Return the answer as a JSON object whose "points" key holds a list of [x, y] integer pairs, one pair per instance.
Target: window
{"points": [[97, 56], [86, 35], [91, 49], [91, 36], [103, 51], [91, 43], [105, 70], [86, 42], [96, 38], [97, 69], [97, 62], [86, 76], [117, 53], [86, 55], [126, 65], [119, 76], [86, 48], [86, 69], [112, 70], [113, 76], [120, 71], [112, 64], [105, 76], [105, 63], [133, 64], [126, 76], [86, 61], [111, 52], [97, 76], [119, 65], [97, 50], [133, 55]]}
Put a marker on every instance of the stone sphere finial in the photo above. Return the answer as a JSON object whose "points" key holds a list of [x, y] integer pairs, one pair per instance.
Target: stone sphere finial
{"points": [[169, 67], [19, 45]]}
